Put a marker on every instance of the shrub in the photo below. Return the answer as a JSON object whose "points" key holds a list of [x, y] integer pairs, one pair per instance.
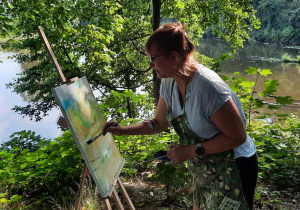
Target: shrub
{"points": [[286, 57], [278, 147], [35, 168]]}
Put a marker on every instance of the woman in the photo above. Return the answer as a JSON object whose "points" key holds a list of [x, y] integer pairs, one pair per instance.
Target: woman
{"points": [[208, 117]]}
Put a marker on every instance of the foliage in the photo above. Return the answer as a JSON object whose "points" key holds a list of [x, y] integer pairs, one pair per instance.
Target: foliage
{"points": [[278, 147], [279, 21], [139, 151], [277, 144], [4, 202], [89, 199], [286, 57], [32, 165], [253, 99], [176, 177], [6, 22], [35, 168], [105, 40]]}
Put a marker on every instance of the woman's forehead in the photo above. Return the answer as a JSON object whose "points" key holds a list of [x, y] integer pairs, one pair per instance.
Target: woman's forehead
{"points": [[154, 49]]}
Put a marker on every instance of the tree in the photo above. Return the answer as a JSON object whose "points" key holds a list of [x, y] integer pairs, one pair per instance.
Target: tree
{"points": [[105, 40], [279, 20]]}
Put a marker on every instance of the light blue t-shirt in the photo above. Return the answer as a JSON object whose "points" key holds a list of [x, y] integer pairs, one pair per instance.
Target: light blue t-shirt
{"points": [[206, 93]]}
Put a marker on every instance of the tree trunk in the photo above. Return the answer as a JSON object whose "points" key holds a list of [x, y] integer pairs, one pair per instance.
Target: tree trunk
{"points": [[156, 22]]}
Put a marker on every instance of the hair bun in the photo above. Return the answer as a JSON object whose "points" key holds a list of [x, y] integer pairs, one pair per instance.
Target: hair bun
{"points": [[171, 37]]}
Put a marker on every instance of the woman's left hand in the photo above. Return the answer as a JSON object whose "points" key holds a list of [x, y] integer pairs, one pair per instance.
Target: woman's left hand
{"points": [[180, 153]]}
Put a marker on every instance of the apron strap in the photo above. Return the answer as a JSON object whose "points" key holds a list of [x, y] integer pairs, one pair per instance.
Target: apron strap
{"points": [[172, 95]]}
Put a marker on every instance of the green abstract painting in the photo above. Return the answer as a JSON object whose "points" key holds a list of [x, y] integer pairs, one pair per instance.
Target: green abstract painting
{"points": [[85, 120]]}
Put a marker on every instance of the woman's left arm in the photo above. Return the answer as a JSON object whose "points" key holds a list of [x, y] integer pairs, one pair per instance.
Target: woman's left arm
{"points": [[233, 134]]}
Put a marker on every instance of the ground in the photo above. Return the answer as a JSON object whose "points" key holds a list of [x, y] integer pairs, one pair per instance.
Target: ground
{"points": [[147, 195]]}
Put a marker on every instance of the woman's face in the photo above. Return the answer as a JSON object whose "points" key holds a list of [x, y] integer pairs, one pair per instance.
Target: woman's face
{"points": [[162, 63]]}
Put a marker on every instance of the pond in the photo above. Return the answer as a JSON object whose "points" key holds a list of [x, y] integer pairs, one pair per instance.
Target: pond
{"points": [[287, 74], [11, 121]]}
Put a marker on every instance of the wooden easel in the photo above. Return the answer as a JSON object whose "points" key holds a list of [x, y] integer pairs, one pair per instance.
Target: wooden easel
{"points": [[85, 171], [116, 197]]}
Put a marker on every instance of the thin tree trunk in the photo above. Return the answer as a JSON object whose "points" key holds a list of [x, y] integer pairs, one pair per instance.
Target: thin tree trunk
{"points": [[156, 22]]}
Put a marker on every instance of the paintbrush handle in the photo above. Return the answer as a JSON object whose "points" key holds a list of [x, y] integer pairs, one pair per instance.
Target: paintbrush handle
{"points": [[105, 131]]}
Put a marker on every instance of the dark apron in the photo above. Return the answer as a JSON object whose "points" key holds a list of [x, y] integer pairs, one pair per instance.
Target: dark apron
{"points": [[216, 179]]}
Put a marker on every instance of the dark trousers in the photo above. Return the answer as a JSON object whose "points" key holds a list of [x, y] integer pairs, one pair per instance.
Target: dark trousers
{"points": [[248, 168]]}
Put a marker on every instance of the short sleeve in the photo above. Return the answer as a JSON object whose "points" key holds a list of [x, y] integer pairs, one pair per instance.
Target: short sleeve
{"points": [[215, 95]]}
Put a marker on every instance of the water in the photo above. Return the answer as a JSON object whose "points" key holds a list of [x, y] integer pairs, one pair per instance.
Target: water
{"points": [[11, 121], [287, 74]]}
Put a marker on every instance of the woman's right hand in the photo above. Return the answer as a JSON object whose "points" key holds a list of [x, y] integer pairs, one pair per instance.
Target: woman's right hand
{"points": [[113, 127]]}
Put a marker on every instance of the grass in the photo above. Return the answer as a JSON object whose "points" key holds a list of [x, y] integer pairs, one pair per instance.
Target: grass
{"points": [[89, 199], [147, 195], [288, 58]]}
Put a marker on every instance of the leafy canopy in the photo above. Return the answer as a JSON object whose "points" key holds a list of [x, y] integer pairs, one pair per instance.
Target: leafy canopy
{"points": [[104, 40]]}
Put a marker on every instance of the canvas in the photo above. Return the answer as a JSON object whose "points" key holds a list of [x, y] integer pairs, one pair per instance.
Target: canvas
{"points": [[85, 119]]}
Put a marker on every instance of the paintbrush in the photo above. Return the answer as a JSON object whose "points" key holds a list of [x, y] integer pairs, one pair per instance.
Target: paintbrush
{"points": [[104, 132]]}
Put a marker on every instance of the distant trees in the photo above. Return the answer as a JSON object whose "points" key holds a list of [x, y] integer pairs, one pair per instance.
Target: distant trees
{"points": [[280, 21]]}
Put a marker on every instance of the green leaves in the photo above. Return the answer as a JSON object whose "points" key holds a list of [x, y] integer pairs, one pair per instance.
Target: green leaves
{"points": [[284, 100], [105, 41], [41, 167], [12, 199], [253, 96], [265, 72], [278, 147], [251, 71], [270, 87]]}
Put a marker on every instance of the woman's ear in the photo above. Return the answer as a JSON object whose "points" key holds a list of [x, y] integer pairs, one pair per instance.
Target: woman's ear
{"points": [[174, 55]]}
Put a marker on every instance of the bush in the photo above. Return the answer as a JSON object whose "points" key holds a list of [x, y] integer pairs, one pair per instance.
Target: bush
{"points": [[286, 34], [286, 57], [278, 147], [35, 168]]}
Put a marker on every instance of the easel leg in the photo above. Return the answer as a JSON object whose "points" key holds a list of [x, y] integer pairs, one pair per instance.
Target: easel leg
{"points": [[128, 200], [83, 175], [106, 202], [117, 200]]}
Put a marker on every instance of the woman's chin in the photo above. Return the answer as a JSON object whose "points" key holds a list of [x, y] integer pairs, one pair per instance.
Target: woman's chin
{"points": [[159, 75]]}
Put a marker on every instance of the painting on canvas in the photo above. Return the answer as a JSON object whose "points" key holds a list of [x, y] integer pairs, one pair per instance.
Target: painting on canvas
{"points": [[85, 120]]}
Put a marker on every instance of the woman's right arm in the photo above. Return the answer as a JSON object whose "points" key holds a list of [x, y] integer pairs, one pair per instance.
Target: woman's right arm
{"points": [[160, 123]]}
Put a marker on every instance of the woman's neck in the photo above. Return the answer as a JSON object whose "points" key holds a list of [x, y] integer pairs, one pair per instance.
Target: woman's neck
{"points": [[184, 76]]}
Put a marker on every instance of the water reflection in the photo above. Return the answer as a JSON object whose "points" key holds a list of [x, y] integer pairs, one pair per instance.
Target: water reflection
{"points": [[287, 74], [10, 121]]}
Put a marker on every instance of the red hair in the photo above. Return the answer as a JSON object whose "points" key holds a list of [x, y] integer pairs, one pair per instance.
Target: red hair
{"points": [[171, 37]]}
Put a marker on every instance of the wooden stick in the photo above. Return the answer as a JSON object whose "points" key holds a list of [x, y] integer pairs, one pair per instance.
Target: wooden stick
{"points": [[51, 54], [82, 180], [107, 204], [117, 200], [123, 190]]}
